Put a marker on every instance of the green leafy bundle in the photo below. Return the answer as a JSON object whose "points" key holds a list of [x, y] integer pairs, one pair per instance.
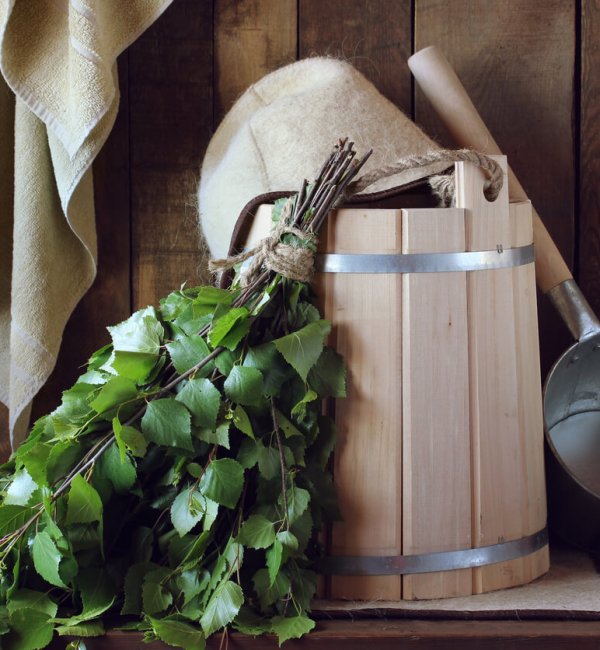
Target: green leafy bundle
{"points": [[177, 488]]}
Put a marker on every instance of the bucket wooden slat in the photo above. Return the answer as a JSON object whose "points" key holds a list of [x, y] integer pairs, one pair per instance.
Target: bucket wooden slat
{"points": [[366, 314], [499, 487], [530, 397], [436, 510]]}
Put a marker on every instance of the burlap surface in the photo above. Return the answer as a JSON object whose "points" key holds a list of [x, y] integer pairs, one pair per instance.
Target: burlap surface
{"points": [[570, 590]]}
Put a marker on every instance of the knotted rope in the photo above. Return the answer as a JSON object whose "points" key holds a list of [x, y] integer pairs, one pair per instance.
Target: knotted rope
{"points": [[293, 261], [297, 261]]}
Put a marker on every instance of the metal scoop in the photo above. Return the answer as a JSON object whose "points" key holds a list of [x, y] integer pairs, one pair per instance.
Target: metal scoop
{"points": [[572, 389]]}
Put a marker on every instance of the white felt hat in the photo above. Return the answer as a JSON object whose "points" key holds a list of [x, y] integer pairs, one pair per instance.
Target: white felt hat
{"points": [[283, 128]]}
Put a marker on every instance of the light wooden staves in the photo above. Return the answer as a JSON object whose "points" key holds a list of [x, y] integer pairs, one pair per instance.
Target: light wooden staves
{"points": [[436, 487], [504, 386], [365, 311], [440, 438]]}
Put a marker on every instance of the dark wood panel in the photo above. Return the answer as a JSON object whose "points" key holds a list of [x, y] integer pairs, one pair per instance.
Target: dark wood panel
{"points": [[252, 38], [167, 249], [516, 59], [109, 299], [395, 635], [589, 205], [374, 35], [171, 120]]}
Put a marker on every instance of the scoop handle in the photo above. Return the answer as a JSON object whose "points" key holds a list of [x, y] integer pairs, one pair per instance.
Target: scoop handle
{"points": [[448, 97]]}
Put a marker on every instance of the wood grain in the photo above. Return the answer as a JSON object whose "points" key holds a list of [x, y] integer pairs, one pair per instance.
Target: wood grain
{"points": [[251, 39], [436, 487], [530, 456], [521, 81], [374, 35], [589, 143], [365, 311], [497, 478], [397, 635], [170, 123]]}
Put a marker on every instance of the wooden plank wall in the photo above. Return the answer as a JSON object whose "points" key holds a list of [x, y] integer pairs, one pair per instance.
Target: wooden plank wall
{"points": [[532, 67]]}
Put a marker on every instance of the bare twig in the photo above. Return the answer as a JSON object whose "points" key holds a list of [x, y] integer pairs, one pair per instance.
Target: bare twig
{"points": [[282, 463]]}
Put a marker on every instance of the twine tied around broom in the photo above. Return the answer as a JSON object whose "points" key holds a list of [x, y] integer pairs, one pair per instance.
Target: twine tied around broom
{"points": [[297, 261], [294, 262]]}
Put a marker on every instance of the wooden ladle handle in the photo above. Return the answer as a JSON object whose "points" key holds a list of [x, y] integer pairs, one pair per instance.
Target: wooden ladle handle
{"points": [[447, 95]]}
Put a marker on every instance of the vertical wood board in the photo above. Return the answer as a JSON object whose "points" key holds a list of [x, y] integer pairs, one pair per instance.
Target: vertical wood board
{"points": [[436, 491], [170, 124], [365, 311], [252, 38], [375, 37], [529, 387], [498, 483], [589, 142]]}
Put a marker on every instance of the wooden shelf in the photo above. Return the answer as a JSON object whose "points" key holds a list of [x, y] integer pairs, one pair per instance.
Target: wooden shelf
{"points": [[387, 634]]}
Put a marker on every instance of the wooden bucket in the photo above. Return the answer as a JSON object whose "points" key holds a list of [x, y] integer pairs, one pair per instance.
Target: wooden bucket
{"points": [[439, 460]]}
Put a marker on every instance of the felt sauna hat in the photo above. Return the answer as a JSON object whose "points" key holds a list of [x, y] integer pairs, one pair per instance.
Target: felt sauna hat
{"points": [[283, 127]]}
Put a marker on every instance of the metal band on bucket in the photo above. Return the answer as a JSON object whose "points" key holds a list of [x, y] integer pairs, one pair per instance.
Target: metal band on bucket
{"points": [[428, 562], [501, 258]]}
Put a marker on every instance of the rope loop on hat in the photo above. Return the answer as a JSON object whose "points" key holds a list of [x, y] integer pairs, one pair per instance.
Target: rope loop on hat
{"points": [[492, 186], [296, 260]]}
